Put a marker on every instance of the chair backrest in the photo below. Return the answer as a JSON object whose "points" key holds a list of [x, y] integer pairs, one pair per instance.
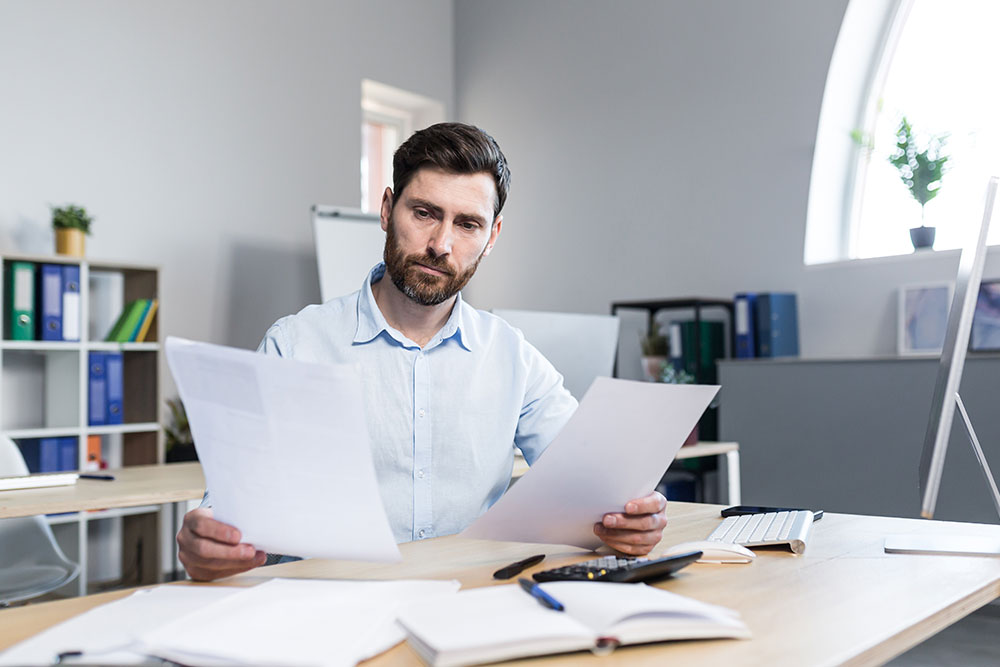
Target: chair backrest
{"points": [[581, 347], [31, 562]]}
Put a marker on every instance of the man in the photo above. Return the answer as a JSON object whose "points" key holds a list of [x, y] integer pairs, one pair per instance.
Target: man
{"points": [[449, 390]]}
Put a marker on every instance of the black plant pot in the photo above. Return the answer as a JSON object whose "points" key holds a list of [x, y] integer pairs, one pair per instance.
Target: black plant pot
{"points": [[922, 237], [182, 452]]}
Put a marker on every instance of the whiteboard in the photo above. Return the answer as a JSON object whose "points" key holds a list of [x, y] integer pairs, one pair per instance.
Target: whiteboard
{"points": [[348, 244]]}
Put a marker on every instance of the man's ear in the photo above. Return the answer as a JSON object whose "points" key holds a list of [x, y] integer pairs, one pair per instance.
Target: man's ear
{"points": [[494, 234], [386, 209]]}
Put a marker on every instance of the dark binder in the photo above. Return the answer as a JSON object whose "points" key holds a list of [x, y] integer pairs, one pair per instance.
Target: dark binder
{"points": [[50, 302], [67, 454], [113, 368], [97, 390], [71, 302], [745, 306], [777, 325]]}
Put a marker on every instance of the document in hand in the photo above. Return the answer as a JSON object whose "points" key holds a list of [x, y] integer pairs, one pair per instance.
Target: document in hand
{"points": [[503, 622], [613, 449], [284, 447]]}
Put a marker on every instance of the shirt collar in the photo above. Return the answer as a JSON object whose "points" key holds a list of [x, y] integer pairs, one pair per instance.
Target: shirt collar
{"points": [[371, 322]]}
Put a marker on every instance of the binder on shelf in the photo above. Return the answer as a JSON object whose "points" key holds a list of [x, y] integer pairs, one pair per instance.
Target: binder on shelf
{"points": [[113, 371], [97, 390], [20, 293], [127, 321], [676, 353], [777, 325], [71, 302], [67, 454], [94, 460], [745, 306], [49, 302], [147, 322]]}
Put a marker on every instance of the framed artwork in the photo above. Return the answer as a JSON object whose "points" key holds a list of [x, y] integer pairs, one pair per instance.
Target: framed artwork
{"points": [[923, 318], [986, 320]]}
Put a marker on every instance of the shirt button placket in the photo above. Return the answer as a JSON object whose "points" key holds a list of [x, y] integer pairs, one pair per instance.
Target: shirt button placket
{"points": [[423, 515]]}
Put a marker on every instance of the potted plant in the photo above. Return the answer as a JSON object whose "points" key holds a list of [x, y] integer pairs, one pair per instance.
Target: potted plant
{"points": [[654, 352], [671, 375], [180, 443], [71, 224], [921, 172]]}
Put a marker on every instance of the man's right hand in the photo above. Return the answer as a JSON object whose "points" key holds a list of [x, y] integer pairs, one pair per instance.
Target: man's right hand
{"points": [[210, 549]]}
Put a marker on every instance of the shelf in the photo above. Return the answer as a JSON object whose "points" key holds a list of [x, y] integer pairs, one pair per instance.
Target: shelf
{"points": [[143, 427], [92, 515], [40, 345], [49, 432], [124, 347]]}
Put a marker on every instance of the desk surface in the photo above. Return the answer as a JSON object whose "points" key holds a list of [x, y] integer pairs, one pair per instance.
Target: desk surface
{"points": [[844, 601], [132, 487]]}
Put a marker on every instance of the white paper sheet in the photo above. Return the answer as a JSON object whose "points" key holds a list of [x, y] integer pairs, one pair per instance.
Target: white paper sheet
{"points": [[615, 448], [108, 634], [298, 622], [284, 446]]}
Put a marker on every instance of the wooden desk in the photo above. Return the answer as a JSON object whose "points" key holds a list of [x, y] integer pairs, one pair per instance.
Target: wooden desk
{"points": [[132, 487], [844, 601], [731, 450]]}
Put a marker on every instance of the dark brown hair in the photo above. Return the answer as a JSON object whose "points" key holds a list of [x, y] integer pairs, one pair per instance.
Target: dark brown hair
{"points": [[456, 148]]}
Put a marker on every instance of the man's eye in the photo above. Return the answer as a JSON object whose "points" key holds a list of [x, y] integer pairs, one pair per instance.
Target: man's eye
{"points": [[468, 226], [421, 213]]}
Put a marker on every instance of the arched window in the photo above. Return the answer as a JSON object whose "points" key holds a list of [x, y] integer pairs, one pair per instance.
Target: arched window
{"points": [[934, 63]]}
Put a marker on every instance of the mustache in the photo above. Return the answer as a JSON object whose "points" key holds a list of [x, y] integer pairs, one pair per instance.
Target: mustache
{"points": [[439, 263]]}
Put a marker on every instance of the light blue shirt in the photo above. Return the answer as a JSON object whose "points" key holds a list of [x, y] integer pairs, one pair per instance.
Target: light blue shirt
{"points": [[443, 421]]}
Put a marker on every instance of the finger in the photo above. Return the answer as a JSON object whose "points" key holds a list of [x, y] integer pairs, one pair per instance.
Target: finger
{"points": [[207, 549], [651, 504], [632, 545], [634, 522], [607, 535], [211, 570], [201, 523]]}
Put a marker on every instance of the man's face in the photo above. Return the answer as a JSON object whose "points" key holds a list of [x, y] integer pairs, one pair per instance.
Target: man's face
{"points": [[437, 232]]}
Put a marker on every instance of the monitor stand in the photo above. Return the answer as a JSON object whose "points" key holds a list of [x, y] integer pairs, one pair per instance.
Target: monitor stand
{"points": [[953, 545]]}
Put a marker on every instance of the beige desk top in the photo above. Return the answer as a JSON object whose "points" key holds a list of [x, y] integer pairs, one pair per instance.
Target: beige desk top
{"points": [[844, 601], [132, 487]]}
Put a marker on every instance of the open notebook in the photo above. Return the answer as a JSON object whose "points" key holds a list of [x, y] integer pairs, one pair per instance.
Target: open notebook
{"points": [[504, 622]]}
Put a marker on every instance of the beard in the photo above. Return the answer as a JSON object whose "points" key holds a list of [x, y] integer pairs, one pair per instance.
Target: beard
{"points": [[421, 287]]}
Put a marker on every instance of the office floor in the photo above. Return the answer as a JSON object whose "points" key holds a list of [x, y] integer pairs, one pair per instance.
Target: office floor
{"points": [[972, 642]]}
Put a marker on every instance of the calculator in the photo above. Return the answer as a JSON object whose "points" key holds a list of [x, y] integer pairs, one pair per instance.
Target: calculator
{"points": [[623, 570]]}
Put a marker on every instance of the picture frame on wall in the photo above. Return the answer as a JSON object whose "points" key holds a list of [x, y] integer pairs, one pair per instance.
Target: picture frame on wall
{"points": [[986, 319], [923, 318]]}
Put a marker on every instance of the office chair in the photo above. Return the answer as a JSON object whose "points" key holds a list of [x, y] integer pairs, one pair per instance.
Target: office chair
{"points": [[31, 562]]}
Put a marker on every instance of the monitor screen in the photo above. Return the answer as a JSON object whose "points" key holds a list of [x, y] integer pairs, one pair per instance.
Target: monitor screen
{"points": [[956, 342]]}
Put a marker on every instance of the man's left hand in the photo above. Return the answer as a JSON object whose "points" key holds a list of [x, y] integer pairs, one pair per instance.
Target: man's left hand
{"points": [[636, 530]]}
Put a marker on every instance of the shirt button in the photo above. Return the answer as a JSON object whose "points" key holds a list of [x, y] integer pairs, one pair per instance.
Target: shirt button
{"points": [[420, 474], [421, 412], [421, 534]]}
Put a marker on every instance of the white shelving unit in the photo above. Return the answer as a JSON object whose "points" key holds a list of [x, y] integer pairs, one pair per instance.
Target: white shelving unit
{"points": [[43, 394]]}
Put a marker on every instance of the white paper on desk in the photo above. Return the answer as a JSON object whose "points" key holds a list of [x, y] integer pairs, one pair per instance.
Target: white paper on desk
{"points": [[108, 634], [615, 448], [284, 446], [295, 622]]}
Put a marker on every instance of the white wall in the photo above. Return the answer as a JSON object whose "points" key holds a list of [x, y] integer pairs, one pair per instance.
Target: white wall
{"points": [[200, 133], [663, 149]]}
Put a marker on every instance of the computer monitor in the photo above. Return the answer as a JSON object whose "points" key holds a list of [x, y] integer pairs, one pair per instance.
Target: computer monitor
{"points": [[946, 398]]}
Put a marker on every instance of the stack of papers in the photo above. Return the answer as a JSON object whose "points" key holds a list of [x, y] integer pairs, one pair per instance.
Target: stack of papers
{"points": [[280, 622]]}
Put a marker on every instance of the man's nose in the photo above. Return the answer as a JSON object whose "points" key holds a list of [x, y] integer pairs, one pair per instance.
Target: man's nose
{"points": [[441, 240]]}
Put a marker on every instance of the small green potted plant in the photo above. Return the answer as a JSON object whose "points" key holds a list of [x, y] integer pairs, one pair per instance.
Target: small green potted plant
{"points": [[921, 172], [180, 443], [72, 224], [654, 352]]}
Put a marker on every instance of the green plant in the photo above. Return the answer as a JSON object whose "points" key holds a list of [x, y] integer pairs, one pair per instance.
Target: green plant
{"points": [[71, 217], [179, 430], [920, 171], [654, 343], [671, 375]]}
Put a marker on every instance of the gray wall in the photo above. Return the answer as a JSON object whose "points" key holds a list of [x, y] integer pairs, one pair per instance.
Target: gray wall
{"points": [[662, 149], [200, 133], [847, 436]]}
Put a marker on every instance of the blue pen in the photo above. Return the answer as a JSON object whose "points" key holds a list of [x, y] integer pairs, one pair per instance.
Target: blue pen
{"points": [[544, 599]]}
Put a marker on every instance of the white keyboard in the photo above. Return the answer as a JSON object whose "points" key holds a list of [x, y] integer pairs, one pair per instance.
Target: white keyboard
{"points": [[758, 530]]}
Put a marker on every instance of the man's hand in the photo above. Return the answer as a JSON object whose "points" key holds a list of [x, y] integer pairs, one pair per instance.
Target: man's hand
{"points": [[638, 529], [210, 549]]}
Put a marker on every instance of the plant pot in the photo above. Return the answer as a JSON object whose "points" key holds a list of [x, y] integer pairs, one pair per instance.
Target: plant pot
{"points": [[922, 237], [182, 452], [70, 242], [652, 367]]}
